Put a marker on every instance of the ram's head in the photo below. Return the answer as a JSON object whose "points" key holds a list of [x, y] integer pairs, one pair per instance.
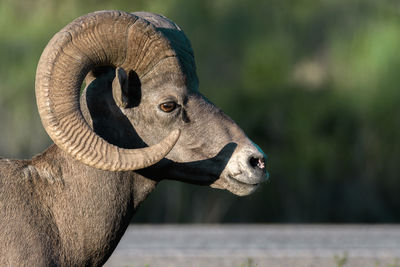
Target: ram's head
{"points": [[141, 108]]}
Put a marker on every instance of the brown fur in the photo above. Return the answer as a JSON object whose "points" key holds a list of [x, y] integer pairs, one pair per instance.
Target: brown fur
{"points": [[57, 211]]}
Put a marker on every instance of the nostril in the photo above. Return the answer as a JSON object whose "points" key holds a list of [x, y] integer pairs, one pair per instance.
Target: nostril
{"points": [[257, 162]]}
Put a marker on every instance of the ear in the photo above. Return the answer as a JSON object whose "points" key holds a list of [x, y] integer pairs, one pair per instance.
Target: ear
{"points": [[126, 88]]}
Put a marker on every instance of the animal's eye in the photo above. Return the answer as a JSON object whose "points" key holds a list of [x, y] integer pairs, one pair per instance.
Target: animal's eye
{"points": [[168, 106]]}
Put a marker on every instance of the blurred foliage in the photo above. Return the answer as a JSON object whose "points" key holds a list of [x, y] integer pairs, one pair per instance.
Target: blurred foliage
{"points": [[314, 83]]}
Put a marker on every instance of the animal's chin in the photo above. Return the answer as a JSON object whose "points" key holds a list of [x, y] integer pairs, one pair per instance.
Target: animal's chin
{"points": [[236, 186]]}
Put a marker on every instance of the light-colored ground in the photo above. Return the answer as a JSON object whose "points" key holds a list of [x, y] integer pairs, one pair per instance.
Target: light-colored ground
{"points": [[258, 245]]}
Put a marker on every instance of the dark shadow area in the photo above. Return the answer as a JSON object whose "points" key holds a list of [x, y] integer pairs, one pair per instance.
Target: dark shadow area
{"points": [[202, 172], [107, 119]]}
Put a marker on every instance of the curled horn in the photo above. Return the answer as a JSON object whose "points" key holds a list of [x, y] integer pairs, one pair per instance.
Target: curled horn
{"points": [[110, 38]]}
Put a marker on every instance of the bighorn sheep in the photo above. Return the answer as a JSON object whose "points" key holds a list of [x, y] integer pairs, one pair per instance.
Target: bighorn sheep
{"points": [[139, 120]]}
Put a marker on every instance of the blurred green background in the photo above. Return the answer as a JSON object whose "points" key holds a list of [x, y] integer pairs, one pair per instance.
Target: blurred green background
{"points": [[314, 83]]}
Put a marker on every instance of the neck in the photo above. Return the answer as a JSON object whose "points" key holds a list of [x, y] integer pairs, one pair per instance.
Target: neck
{"points": [[91, 208]]}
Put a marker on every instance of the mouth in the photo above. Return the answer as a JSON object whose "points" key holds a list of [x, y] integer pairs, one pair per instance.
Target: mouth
{"points": [[242, 183], [239, 184], [241, 188]]}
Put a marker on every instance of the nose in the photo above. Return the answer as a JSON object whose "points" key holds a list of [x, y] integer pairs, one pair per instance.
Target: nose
{"points": [[257, 162]]}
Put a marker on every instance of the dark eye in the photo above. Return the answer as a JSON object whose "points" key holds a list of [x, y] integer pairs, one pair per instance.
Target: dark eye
{"points": [[168, 106]]}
